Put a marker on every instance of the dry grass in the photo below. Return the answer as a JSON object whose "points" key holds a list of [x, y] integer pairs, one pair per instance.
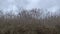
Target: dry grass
{"points": [[29, 26]]}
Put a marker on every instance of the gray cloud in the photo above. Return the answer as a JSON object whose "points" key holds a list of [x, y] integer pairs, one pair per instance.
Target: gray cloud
{"points": [[29, 4]]}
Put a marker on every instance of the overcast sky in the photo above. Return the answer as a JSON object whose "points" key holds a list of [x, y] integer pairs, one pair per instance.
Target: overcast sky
{"points": [[29, 4], [51, 5]]}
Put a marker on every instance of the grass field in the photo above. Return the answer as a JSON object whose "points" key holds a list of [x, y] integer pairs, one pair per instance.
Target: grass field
{"points": [[29, 26]]}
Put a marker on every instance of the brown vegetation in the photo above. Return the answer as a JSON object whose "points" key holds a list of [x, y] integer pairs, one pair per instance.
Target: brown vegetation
{"points": [[25, 24]]}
